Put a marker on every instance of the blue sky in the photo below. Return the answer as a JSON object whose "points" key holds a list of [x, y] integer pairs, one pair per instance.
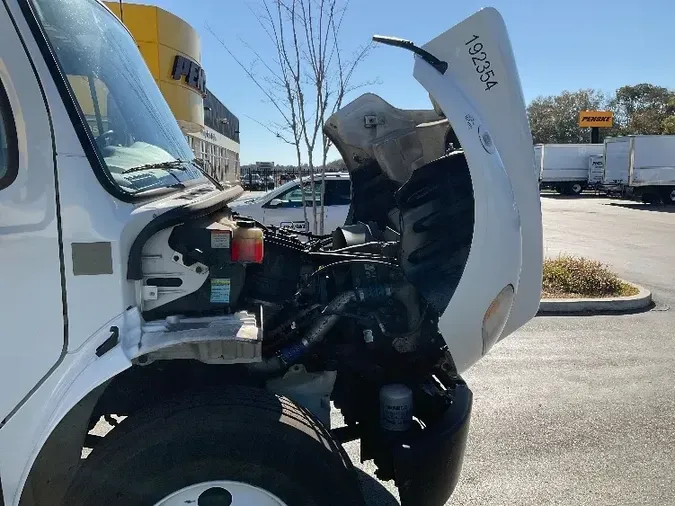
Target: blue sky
{"points": [[559, 45]]}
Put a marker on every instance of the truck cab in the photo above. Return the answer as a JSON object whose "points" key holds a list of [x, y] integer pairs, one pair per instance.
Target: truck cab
{"points": [[214, 346]]}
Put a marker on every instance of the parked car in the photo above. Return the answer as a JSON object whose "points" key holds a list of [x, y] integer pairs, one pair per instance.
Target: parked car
{"points": [[282, 207], [253, 182]]}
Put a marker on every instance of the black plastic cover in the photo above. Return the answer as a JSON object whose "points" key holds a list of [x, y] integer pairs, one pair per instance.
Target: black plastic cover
{"points": [[198, 241], [372, 195], [276, 279], [427, 468], [437, 222], [193, 210]]}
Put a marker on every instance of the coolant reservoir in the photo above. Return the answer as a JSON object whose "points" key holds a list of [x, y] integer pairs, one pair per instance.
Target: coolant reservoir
{"points": [[247, 243], [309, 390]]}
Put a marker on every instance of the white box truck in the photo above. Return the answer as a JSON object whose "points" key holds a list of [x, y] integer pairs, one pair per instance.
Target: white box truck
{"points": [[641, 166], [131, 287], [566, 167], [537, 160]]}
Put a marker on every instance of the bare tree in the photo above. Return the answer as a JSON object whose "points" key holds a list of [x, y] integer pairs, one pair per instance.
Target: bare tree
{"points": [[307, 79]]}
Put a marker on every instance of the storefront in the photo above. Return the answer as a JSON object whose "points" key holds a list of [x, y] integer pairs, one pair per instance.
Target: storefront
{"points": [[219, 152], [172, 51]]}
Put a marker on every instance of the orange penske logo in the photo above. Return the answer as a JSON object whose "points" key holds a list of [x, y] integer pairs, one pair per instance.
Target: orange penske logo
{"points": [[602, 119]]}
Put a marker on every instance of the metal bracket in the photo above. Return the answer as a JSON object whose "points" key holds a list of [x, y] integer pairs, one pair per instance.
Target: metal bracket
{"points": [[371, 121]]}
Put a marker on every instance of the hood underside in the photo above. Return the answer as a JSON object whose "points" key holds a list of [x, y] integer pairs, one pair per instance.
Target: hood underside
{"points": [[405, 181], [370, 130]]}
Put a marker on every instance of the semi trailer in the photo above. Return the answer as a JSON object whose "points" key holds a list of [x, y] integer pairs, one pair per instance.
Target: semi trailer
{"points": [[216, 347]]}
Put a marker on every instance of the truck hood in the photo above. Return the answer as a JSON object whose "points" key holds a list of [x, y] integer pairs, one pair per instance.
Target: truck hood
{"points": [[457, 182]]}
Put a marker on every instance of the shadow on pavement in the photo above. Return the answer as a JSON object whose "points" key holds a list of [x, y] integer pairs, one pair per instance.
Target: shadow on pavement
{"points": [[374, 492], [557, 196], [647, 309], [659, 208]]}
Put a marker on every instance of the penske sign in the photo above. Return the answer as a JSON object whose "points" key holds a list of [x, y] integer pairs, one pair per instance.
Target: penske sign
{"points": [[602, 119]]}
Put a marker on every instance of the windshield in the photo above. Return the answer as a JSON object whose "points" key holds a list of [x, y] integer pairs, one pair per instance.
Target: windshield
{"points": [[278, 191], [126, 113], [295, 195], [266, 195]]}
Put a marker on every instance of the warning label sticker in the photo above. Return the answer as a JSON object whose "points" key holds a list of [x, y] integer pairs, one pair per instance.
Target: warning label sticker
{"points": [[220, 291], [220, 239]]}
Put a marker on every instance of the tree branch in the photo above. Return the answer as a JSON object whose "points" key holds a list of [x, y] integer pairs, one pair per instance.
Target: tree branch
{"points": [[276, 133]]}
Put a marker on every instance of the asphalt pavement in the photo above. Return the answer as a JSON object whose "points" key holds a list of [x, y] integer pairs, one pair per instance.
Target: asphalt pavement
{"points": [[578, 410]]}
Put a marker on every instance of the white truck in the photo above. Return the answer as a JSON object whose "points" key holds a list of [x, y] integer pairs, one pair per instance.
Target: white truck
{"points": [[283, 206], [215, 346], [641, 166], [567, 168]]}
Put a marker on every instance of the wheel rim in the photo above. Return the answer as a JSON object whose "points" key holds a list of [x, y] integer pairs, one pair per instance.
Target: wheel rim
{"points": [[221, 493], [576, 188], [671, 196]]}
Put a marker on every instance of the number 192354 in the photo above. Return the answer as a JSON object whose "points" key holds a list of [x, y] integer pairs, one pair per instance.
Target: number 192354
{"points": [[481, 63]]}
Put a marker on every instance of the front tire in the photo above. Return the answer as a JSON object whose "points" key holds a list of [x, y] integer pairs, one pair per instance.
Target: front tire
{"points": [[651, 198], [183, 447], [668, 196], [576, 188]]}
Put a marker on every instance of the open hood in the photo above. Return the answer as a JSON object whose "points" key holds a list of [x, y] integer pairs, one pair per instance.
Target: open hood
{"points": [[456, 183]]}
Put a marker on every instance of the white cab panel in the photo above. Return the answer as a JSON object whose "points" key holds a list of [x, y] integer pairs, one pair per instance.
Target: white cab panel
{"points": [[31, 310]]}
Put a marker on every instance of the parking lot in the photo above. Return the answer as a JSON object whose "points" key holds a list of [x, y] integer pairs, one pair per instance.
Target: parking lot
{"points": [[579, 410]]}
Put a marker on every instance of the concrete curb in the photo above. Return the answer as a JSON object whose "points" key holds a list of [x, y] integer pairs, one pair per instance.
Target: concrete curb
{"points": [[634, 303]]}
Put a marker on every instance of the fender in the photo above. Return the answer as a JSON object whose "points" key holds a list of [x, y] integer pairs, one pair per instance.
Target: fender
{"points": [[494, 260], [482, 75], [108, 353], [81, 372]]}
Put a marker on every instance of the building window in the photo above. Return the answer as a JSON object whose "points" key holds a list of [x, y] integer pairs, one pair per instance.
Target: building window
{"points": [[219, 162]]}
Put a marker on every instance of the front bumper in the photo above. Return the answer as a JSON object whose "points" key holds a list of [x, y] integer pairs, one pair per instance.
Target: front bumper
{"points": [[427, 467]]}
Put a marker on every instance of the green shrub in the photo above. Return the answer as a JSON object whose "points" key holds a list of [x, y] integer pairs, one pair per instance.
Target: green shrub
{"points": [[569, 276]]}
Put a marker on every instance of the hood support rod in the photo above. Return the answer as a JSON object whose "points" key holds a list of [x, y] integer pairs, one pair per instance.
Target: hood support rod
{"points": [[439, 65]]}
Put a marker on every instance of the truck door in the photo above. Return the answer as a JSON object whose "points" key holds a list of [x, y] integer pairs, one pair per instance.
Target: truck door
{"points": [[337, 197], [286, 209], [32, 324]]}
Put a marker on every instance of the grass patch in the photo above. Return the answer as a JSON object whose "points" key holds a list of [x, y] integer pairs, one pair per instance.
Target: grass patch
{"points": [[577, 277]]}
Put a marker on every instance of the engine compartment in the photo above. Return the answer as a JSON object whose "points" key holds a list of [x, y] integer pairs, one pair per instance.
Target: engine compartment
{"points": [[382, 279], [356, 312], [338, 311]]}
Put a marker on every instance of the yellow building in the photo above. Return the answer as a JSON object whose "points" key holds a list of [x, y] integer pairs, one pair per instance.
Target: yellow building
{"points": [[172, 50]]}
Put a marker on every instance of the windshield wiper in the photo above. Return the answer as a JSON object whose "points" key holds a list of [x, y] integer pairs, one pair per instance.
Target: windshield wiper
{"points": [[182, 165], [171, 164], [160, 190]]}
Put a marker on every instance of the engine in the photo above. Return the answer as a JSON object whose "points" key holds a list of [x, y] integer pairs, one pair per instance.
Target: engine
{"points": [[351, 317]]}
